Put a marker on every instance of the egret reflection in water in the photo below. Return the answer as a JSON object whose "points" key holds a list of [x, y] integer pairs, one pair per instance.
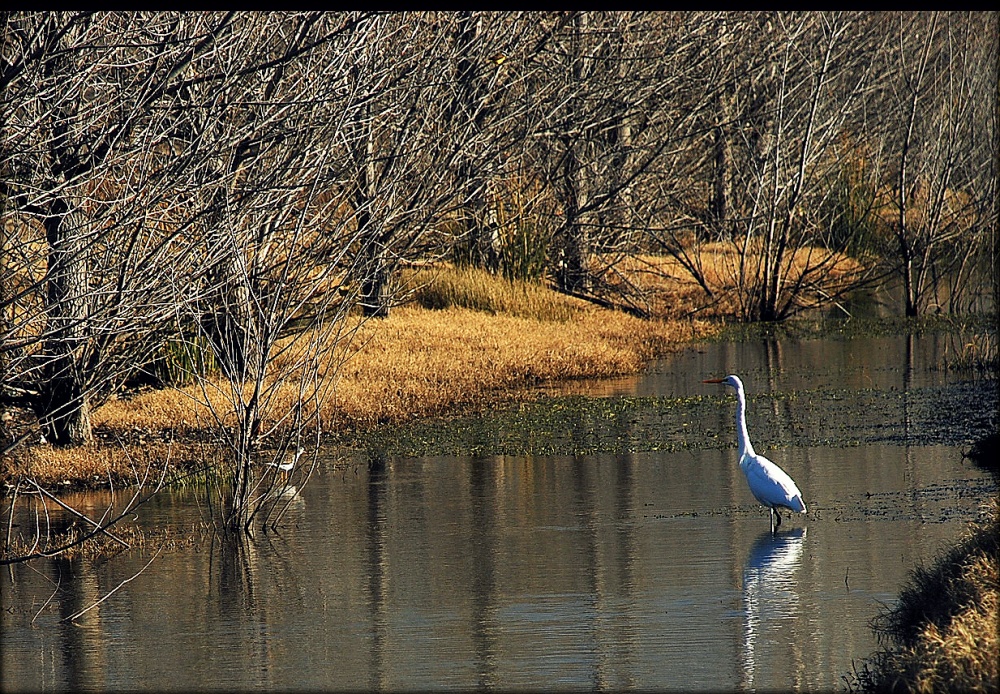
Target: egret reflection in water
{"points": [[770, 595]]}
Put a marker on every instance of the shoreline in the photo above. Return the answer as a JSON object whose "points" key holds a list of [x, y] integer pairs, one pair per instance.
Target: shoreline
{"points": [[418, 364], [386, 381]]}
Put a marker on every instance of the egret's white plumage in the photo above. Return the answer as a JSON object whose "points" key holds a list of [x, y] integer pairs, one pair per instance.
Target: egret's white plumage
{"points": [[289, 462], [769, 484]]}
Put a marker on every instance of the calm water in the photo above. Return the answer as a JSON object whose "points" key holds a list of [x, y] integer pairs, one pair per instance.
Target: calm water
{"points": [[641, 563]]}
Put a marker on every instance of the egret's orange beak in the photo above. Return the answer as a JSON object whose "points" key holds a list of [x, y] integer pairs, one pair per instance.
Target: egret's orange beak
{"points": [[714, 380]]}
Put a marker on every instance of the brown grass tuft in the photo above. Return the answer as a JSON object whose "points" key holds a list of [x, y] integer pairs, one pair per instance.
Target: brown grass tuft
{"points": [[444, 286], [104, 464], [672, 292], [944, 628]]}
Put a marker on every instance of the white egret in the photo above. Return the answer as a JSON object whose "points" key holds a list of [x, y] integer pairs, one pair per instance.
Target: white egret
{"points": [[289, 461], [769, 484]]}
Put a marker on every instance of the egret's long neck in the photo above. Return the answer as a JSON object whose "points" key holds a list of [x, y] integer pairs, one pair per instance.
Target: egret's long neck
{"points": [[741, 425]]}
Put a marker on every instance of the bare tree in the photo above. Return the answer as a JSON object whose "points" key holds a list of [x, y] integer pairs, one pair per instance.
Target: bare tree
{"points": [[476, 74], [408, 145], [799, 82], [345, 178], [85, 176], [940, 140], [124, 138], [276, 244], [609, 121], [175, 171]]}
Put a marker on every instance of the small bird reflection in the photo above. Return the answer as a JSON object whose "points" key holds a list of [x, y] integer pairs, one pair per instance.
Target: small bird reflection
{"points": [[769, 588], [279, 499]]}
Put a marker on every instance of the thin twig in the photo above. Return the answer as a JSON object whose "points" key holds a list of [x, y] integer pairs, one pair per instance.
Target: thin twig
{"points": [[10, 520], [49, 600], [72, 510], [73, 617]]}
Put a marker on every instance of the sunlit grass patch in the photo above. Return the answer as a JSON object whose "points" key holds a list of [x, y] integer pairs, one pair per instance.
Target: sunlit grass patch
{"points": [[445, 286], [421, 362], [104, 464], [671, 290], [176, 409]]}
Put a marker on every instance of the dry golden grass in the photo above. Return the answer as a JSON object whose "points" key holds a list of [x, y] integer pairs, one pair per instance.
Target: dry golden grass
{"points": [[420, 362], [416, 363], [490, 341], [672, 292], [105, 464], [444, 286], [955, 213], [945, 624]]}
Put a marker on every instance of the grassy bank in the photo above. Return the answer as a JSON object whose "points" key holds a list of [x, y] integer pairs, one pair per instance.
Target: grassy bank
{"points": [[942, 634], [419, 362]]}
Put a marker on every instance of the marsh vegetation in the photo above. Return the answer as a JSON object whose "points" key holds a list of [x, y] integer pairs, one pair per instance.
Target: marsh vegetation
{"points": [[228, 235], [941, 634]]}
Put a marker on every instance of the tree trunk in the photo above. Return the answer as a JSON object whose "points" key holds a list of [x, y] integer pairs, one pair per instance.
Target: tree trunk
{"points": [[227, 322], [470, 108], [911, 288], [719, 203], [374, 266], [573, 272], [63, 406], [375, 284]]}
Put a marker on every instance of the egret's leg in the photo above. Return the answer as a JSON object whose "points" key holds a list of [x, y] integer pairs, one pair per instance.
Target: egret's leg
{"points": [[776, 513], [771, 509]]}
